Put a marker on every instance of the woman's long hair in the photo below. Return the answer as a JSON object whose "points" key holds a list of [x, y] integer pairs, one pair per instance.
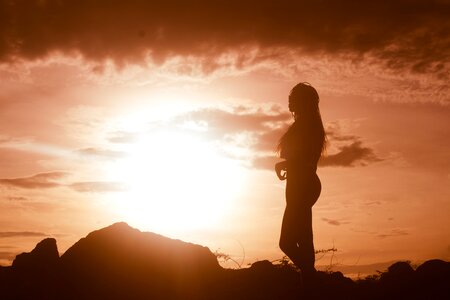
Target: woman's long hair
{"points": [[304, 105]]}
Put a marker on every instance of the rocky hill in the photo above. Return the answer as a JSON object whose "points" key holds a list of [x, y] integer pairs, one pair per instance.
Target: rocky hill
{"points": [[120, 262]]}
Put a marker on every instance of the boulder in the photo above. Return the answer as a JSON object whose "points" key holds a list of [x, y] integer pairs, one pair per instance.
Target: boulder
{"points": [[432, 279], [116, 261], [44, 256]]}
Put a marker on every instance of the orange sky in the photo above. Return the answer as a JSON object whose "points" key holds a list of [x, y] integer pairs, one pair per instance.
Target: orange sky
{"points": [[168, 119]]}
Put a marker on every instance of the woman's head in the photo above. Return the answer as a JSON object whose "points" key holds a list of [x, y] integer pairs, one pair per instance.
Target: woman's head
{"points": [[304, 105], [303, 99]]}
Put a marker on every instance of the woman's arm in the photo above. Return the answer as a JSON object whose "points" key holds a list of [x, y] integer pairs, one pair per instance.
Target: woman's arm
{"points": [[280, 169]]}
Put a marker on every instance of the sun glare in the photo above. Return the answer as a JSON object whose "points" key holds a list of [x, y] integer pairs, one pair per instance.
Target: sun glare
{"points": [[176, 182]]}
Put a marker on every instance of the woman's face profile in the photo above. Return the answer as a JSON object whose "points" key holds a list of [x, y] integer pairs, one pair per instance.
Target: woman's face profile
{"points": [[293, 104]]}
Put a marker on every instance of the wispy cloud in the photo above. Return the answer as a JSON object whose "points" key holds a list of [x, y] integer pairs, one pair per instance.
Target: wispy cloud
{"points": [[334, 222], [122, 137], [392, 233], [38, 181], [237, 119], [9, 234], [262, 129], [16, 198], [5, 255], [97, 153], [98, 187], [50, 180]]}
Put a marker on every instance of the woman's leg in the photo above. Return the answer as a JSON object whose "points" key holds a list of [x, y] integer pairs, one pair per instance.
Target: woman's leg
{"points": [[290, 232], [296, 238], [305, 240]]}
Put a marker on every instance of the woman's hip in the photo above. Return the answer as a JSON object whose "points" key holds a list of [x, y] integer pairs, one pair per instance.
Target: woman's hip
{"points": [[304, 190]]}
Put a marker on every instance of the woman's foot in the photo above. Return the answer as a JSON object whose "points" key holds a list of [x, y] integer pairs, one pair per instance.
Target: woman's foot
{"points": [[309, 277]]}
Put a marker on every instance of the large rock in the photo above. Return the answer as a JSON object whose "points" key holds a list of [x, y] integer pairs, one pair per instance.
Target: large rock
{"points": [[399, 273], [33, 275], [433, 270], [119, 261], [44, 256], [262, 280], [433, 280], [397, 281]]}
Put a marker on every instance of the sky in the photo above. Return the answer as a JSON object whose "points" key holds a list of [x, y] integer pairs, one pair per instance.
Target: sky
{"points": [[166, 115]]}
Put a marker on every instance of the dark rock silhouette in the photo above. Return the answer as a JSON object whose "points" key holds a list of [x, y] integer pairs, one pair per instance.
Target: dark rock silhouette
{"points": [[262, 280], [397, 280], [119, 262], [32, 275], [434, 278], [44, 256], [145, 264]]}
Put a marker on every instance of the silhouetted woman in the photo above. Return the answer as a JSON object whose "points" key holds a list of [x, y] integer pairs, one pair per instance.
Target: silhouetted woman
{"points": [[301, 148]]}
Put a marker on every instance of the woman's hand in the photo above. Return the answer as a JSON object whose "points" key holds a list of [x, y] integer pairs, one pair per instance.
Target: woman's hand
{"points": [[280, 169]]}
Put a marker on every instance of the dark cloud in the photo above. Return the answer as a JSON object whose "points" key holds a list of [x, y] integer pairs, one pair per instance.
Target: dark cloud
{"points": [[410, 34], [350, 148], [38, 181], [350, 155], [8, 234], [332, 222], [97, 187]]}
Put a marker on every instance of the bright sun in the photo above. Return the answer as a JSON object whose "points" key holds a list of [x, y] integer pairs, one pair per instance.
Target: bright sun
{"points": [[176, 181]]}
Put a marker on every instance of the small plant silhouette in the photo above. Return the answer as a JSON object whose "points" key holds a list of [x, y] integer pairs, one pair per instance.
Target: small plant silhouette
{"points": [[223, 257], [323, 252], [283, 262]]}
